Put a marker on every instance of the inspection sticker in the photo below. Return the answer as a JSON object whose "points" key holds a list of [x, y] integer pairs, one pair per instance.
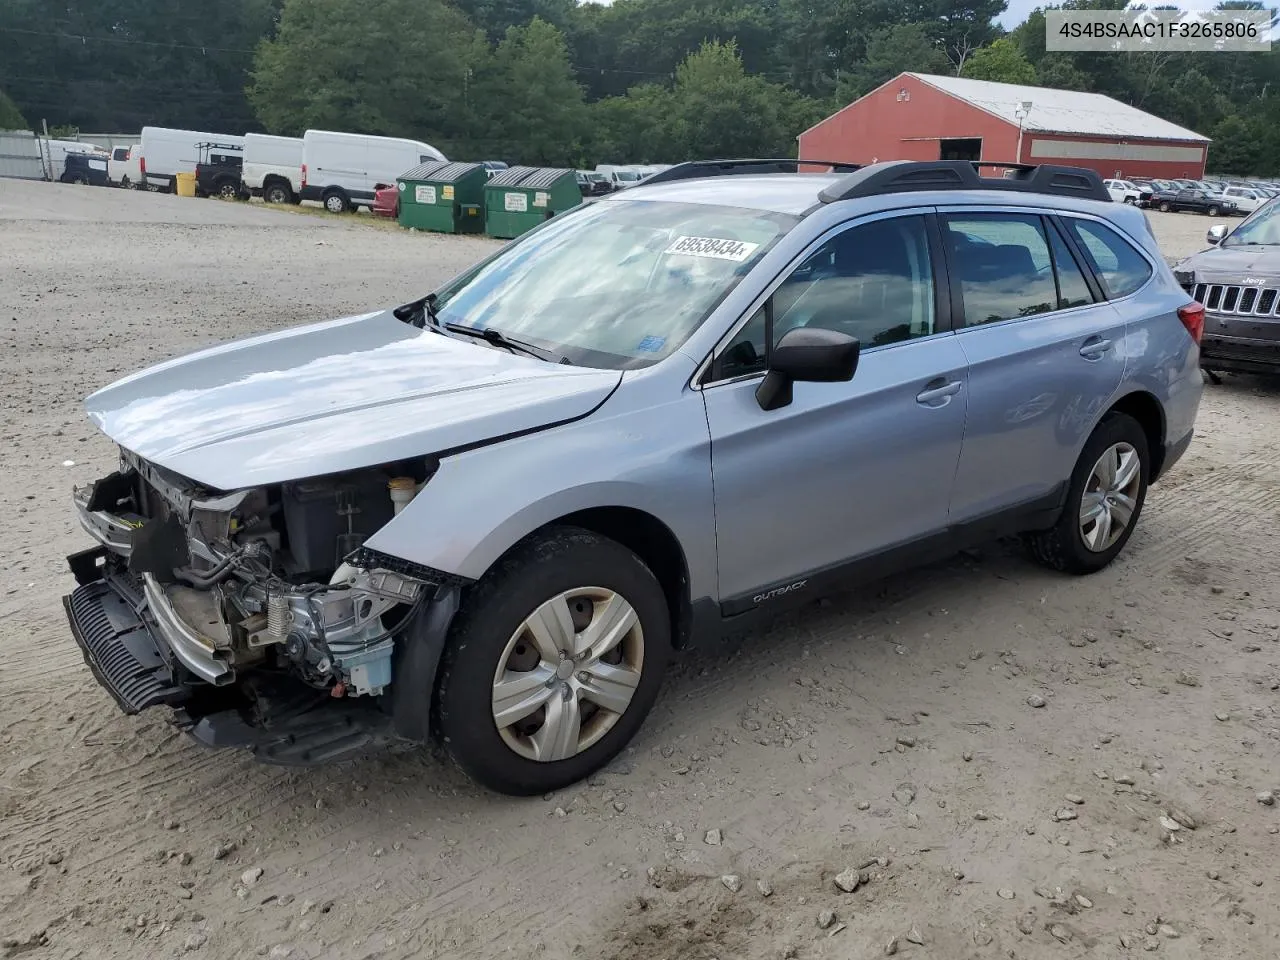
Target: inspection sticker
{"points": [[716, 249]]}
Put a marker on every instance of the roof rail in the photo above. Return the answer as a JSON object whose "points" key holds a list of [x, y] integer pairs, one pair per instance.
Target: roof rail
{"points": [[698, 169], [898, 176]]}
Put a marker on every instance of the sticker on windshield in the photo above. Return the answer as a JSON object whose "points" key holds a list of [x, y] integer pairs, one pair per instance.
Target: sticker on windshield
{"points": [[716, 249], [651, 344]]}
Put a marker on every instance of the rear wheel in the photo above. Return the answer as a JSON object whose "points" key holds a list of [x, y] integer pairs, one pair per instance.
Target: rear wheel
{"points": [[1212, 211], [1164, 206], [1108, 488], [553, 663], [126, 183], [227, 189], [80, 180], [335, 201], [277, 193]]}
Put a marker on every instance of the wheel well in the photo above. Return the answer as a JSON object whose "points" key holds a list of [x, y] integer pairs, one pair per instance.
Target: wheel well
{"points": [[653, 542], [1146, 409]]}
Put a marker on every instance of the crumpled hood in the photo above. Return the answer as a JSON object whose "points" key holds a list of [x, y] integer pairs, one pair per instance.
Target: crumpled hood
{"points": [[1234, 264], [335, 396]]}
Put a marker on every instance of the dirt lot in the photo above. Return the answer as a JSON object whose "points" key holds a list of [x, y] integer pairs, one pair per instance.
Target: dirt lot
{"points": [[892, 723]]}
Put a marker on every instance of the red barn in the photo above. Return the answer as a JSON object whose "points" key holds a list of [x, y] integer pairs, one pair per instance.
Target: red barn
{"points": [[917, 116]]}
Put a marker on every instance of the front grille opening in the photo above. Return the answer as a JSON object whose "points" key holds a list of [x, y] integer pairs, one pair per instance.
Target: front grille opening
{"points": [[1248, 299], [1230, 298], [1267, 302], [1215, 298]]}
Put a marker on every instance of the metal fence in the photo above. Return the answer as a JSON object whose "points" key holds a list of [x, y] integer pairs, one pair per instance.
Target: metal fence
{"points": [[20, 156]]}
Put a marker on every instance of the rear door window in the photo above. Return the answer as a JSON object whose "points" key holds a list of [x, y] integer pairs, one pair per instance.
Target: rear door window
{"points": [[1003, 265], [1120, 268]]}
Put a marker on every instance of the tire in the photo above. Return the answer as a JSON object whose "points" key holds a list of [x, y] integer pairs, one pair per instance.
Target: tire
{"points": [[277, 193], [1164, 206], [1064, 546], [226, 190], [1212, 211], [335, 201], [80, 180], [591, 574], [126, 183]]}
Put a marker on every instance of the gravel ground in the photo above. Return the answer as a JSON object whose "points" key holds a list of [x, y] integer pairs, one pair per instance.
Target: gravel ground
{"points": [[1044, 767]]}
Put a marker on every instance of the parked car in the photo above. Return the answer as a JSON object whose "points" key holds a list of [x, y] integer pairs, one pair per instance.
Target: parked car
{"points": [[125, 166], [1246, 199], [341, 170], [166, 152], [1124, 191], [329, 536], [272, 167], [218, 171], [1197, 201], [386, 200], [1238, 281], [492, 167], [85, 168], [54, 154], [593, 184]]}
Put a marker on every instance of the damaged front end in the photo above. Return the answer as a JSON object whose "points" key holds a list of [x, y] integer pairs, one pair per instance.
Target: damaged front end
{"points": [[259, 613]]}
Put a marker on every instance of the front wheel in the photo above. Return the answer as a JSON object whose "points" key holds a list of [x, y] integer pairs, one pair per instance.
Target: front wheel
{"points": [[1212, 211], [1104, 500], [553, 663]]}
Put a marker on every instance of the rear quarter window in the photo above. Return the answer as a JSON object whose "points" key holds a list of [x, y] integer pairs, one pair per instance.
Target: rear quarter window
{"points": [[1118, 265]]}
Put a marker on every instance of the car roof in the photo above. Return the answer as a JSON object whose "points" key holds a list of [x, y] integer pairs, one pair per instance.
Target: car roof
{"points": [[790, 193]]}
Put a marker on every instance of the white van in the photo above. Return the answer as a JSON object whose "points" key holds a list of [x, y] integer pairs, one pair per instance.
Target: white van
{"points": [[343, 170], [167, 152], [125, 166], [620, 175], [273, 167]]}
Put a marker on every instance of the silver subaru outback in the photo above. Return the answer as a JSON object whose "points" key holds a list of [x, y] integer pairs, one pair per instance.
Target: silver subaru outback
{"points": [[491, 515]]}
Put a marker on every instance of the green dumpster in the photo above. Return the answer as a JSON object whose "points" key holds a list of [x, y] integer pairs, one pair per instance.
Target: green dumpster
{"points": [[518, 199], [444, 196]]}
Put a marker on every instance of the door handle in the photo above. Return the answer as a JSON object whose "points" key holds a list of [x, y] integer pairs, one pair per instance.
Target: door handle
{"points": [[1094, 348], [938, 392]]}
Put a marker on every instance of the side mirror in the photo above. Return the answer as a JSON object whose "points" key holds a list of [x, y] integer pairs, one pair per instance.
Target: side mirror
{"points": [[1216, 233], [807, 355]]}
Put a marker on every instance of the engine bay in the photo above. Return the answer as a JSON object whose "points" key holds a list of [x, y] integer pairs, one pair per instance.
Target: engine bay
{"points": [[272, 578]]}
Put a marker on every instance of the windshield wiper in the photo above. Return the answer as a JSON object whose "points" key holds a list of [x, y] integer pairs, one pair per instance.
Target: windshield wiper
{"points": [[417, 313], [500, 339]]}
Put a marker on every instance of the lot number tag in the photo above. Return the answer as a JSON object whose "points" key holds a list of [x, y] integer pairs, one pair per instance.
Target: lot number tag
{"points": [[424, 194], [516, 202], [541, 199], [716, 249], [447, 192]]}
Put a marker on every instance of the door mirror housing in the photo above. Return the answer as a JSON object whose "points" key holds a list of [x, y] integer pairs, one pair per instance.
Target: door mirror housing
{"points": [[807, 355], [1216, 233]]}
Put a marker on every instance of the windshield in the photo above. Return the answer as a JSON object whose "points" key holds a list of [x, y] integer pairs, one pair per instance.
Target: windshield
{"points": [[1262, 227], [627, 175], [617, 284]]}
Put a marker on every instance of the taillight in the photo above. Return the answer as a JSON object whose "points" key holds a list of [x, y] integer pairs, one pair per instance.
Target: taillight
{"points": [[304, 174], [1192, 317], [142, 166]]}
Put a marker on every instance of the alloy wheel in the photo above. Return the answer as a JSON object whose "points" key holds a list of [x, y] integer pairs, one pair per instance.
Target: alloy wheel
{"points": [[1110, 497], [568, 674]]}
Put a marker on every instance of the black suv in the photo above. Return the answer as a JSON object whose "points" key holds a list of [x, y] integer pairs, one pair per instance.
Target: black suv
{"points": [[87, 168], [219, 169], [1238, 281]]}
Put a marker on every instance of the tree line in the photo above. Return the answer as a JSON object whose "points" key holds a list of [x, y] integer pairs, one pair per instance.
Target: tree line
{"points": [[556, 82]]}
